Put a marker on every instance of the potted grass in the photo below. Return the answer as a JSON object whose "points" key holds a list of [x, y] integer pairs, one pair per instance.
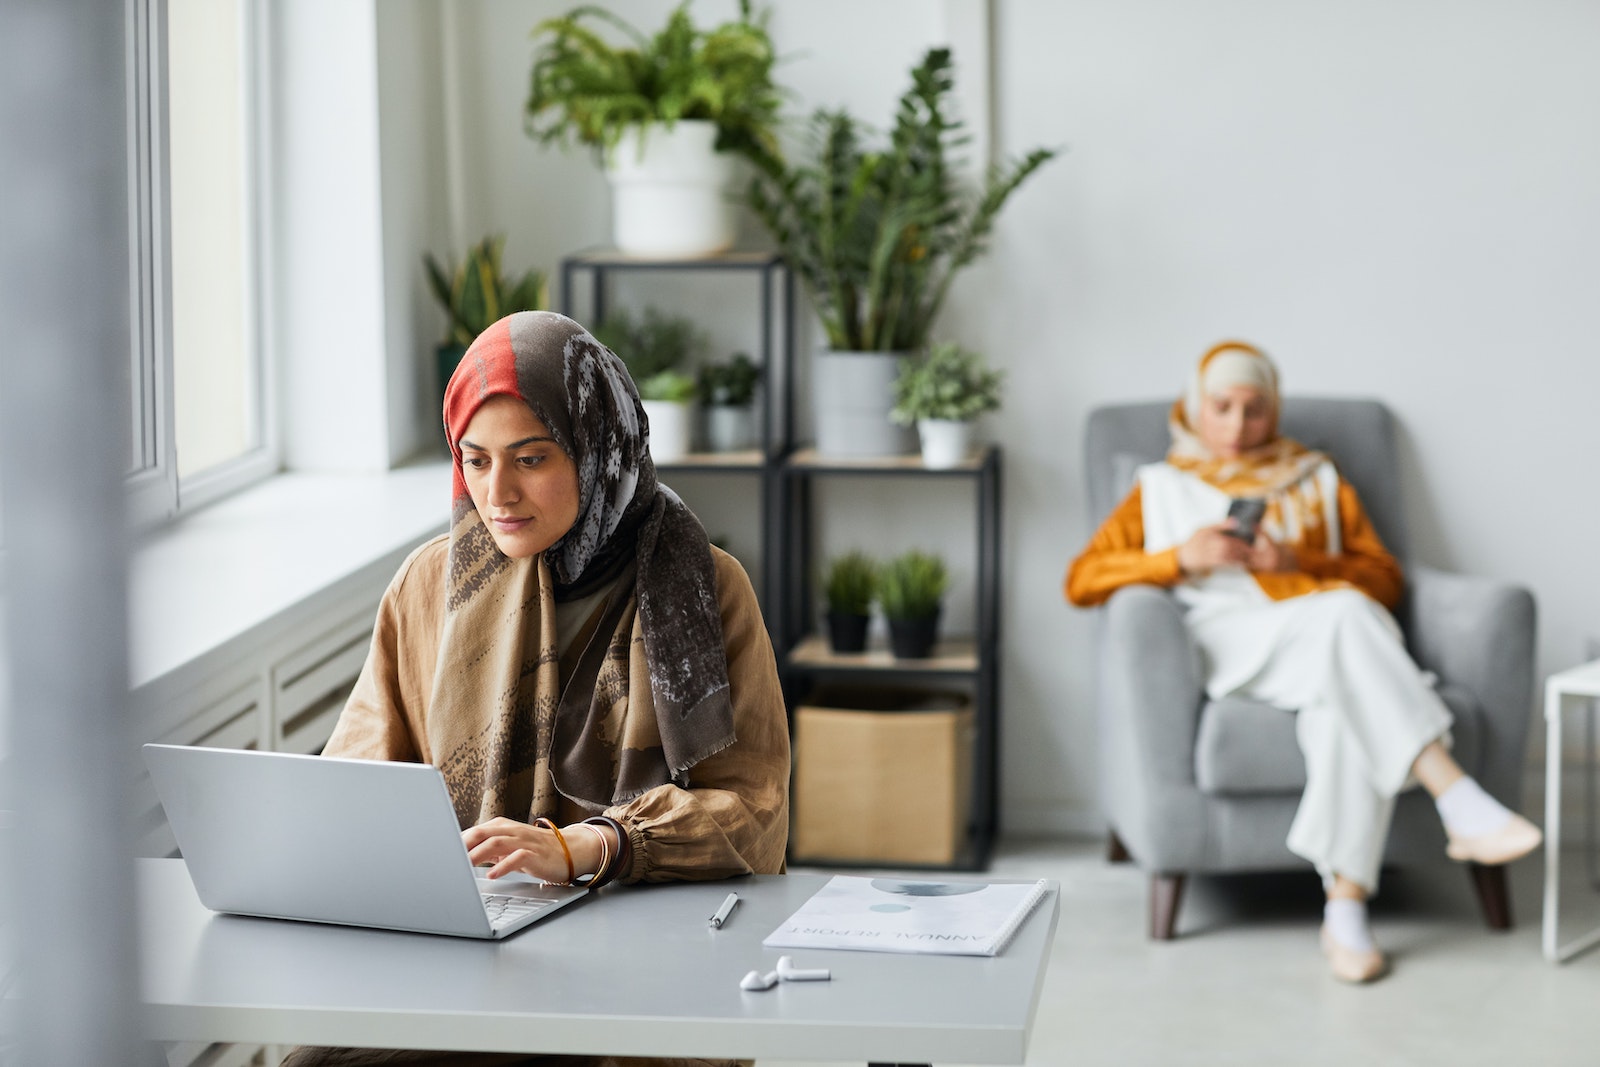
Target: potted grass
{"points": [[476, 293], [942, 394], [876, 235], [911, 590], [849, 585], [656, 347], [727, 397], [666, 113]]}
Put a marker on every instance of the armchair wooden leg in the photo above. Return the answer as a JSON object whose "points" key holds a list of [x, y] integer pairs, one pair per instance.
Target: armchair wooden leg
{"points": [[1116, 851], [1493, 897], [1166, 892]]}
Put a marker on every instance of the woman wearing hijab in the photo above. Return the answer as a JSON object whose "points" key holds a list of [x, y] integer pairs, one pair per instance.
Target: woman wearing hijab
{"points": [[1299, 617], [591, 676]]}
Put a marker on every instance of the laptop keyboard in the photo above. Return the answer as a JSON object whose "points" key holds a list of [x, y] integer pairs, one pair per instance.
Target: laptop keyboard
{"points": [[504, 910]]}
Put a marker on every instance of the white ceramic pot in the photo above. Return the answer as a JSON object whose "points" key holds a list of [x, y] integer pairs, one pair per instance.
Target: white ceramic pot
{"points": [[730, 428], [946, 443], [851, 395], [670, 192], [671, 429]]}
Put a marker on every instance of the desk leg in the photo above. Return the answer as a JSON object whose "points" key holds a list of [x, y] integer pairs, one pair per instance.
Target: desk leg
{"points": [[1555, 704], [1551, 919]]}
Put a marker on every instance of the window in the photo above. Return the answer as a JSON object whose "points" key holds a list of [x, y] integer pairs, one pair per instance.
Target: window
{"points": [[198, 376]]}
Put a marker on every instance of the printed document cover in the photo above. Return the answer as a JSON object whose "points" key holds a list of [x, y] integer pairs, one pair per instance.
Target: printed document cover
{"points": [[907, 915]]}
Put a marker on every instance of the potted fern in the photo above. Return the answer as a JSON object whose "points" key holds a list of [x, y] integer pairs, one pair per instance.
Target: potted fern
{"points": [[877, 235], [942, 394], [656, 347], [665, 113], [911, 589], [727, 396], [849, 585], [476, 293]]}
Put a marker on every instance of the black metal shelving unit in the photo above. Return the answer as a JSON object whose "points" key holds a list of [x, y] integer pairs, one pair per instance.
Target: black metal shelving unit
{"points": [[806, 656], [786, 475], [775, 356]]}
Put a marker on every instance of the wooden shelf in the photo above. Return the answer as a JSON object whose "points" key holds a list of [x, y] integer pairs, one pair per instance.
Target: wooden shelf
{"points": [[736, 259], [747, 459], [955, 656], [809, 459]]}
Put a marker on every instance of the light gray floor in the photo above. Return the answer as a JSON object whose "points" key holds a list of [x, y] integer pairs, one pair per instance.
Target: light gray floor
{"points": [[1244, 982]]}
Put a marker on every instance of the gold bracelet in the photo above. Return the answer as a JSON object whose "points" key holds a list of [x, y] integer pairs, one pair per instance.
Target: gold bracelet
{"points": [[572, 872]]}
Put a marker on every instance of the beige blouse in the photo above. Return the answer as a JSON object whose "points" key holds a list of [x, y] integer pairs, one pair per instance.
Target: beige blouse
{"points": [[733, 818]]}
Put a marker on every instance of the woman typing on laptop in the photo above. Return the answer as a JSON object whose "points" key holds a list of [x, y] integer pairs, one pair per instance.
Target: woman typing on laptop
{"points": [[592, 678]]}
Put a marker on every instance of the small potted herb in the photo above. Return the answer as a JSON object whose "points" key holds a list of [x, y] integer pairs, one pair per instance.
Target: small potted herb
{"points": [[727, 395], [475, 294], [911, 589], [943, 393], [849, 585], [655, 347]]}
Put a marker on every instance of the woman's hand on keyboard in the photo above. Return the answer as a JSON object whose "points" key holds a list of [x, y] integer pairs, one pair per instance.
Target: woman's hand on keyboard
{"points": [[516, 846]]}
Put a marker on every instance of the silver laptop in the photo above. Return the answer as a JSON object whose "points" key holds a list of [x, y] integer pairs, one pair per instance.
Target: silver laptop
{"points": [[322, 839]]}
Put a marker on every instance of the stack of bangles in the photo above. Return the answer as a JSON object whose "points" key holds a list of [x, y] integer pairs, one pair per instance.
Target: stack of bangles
{"points": [[607, 870]]}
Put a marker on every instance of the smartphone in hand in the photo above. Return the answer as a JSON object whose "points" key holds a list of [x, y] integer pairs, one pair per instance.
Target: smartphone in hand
{"points": [[1246, 511]]}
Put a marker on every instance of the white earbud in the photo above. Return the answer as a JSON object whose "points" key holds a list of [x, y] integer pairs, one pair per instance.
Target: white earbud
{"points": [[755, 981], [790, 973]]}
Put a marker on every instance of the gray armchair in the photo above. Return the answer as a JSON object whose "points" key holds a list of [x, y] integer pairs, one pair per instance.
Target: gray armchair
{"points": [[1196, 785]]}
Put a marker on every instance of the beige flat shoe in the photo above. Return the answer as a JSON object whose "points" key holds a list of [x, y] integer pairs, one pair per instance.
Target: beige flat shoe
{"points": [[1351, 965], [1515, 839]]}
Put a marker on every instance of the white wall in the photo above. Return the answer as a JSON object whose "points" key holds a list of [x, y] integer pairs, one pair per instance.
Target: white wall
{"points": [[1395, 199], [411, 147], [328, 236]]}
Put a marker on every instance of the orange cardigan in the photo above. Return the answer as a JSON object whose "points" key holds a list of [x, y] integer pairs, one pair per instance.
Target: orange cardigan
{"points": [[1115, 557]]}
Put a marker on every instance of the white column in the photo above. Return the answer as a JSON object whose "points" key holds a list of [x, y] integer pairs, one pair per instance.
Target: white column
{"points": [[64, 297]]}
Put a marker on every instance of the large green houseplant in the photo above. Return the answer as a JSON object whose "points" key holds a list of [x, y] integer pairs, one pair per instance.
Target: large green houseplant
{"points": [[664, 111], [878, 234], [476, 293]]}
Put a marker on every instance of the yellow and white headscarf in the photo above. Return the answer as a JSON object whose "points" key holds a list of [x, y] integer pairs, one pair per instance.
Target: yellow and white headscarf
{"points": [[1298, 483]]}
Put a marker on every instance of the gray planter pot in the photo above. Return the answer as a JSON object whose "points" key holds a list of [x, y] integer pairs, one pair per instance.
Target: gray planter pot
{"points": [[730, 428], [851, 394]]}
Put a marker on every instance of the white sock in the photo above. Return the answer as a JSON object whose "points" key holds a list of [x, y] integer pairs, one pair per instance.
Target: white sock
{"points": [[1468, 811], [1346, 920]]}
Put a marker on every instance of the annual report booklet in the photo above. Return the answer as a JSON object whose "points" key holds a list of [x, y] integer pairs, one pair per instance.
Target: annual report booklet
{"points": [[909, 915]]}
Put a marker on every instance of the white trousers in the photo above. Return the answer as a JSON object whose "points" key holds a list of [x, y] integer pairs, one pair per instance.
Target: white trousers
{"points": [[1363, 712]]}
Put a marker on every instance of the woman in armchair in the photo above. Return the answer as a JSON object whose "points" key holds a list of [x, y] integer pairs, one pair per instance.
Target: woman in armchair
{"points": [[1294, 610]]}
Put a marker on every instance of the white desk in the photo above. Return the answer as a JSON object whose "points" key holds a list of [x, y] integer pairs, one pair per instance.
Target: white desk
{"points": [[635, 972], [1562, 692]]}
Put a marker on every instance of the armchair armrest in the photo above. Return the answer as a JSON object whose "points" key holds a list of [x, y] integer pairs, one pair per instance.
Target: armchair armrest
{"points": [[1151, 678], [1149, 712], [1478, 633]]}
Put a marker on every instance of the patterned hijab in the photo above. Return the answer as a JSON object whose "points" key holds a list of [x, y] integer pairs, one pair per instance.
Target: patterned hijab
{"points": [[509, 737], [1281, 470]]}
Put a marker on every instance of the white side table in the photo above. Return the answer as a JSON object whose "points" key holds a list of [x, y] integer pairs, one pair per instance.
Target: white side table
{"points": [[1575, 688]]}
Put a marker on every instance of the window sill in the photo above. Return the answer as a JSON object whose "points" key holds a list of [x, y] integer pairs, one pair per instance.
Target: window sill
{"points": [[212, 577]]}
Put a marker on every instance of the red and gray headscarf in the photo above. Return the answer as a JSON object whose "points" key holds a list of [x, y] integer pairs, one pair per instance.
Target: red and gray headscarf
{"points": [[628, 524]]}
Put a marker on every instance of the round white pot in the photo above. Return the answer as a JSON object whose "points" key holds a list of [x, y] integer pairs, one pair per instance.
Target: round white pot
{"points": [[671, 429], [730, 428], [851, 394], [946, 443], [670, 192]]}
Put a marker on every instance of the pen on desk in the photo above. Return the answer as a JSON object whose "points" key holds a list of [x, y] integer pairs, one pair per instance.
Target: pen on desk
{"points": [[723, 912]]}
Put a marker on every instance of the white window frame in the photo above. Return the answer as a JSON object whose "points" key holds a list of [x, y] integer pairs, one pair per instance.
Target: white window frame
{"points": [[155, 491]]}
